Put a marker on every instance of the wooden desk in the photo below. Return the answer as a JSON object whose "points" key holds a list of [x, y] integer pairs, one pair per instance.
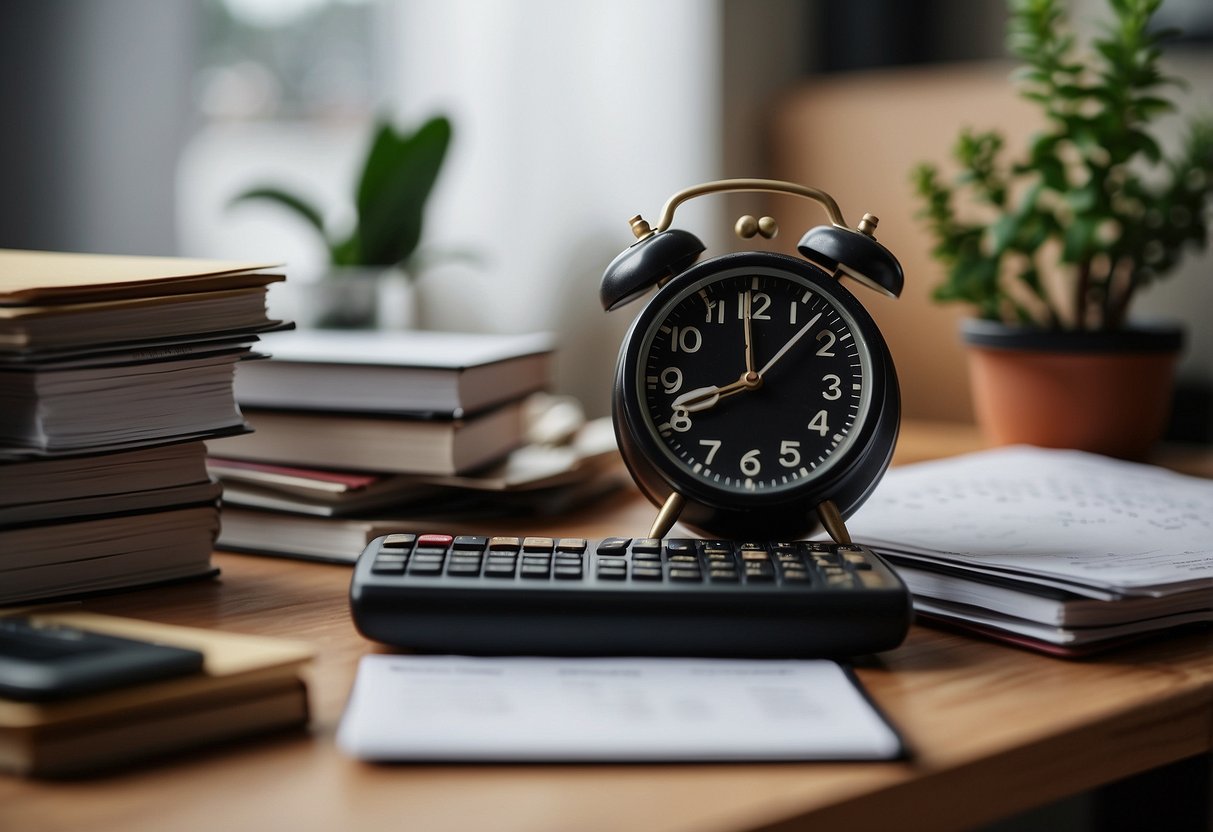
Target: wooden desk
{"points": [[994, 731]]}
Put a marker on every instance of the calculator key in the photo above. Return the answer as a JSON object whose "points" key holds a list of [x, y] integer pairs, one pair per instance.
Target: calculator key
{"points": [[843, 580], [468, 542], [429, 551], [614, 563], [646, 557], [567, 560], [646, 573], [567, 573], [752, 555], [612, 573], [536, 560], [388, 567], [504, 544], [533, 570], [858, 560], [680, 544], [685, 575], [398, 541], [614, 544], [723, 576], [786, 556], [795, 576], [873, 580], [646, 545], [538, 544], [457, 557], [759, 573], [573, 545], [425, 568], [463, 570], [683, 559], [439, 540], [752, 547], [498, 570]]}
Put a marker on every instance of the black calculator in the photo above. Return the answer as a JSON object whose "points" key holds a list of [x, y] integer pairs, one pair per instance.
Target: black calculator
{"points": [[481, 595]]}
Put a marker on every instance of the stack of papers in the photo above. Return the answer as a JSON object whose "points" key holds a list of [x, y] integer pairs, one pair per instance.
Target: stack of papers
{"points": [[1061, 549]]}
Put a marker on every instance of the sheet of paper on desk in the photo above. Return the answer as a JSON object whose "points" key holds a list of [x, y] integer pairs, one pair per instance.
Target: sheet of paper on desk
{"points": [[452, 708], [1087, 522]]}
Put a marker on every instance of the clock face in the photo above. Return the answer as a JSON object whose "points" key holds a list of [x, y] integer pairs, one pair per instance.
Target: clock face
{"points": [[763, 424]]}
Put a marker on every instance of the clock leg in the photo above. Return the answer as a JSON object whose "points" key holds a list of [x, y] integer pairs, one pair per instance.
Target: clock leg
{"points": [[668, 516], [831, 518]]}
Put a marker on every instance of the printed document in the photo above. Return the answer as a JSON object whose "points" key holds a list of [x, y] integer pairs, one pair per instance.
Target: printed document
{"points": [[453, 708]]}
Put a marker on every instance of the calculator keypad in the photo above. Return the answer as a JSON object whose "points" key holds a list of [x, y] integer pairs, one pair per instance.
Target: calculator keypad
{"points": [[614, 560], [536, 595]]}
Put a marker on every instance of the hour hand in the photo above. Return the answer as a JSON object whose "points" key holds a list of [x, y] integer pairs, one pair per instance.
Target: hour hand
{"points": [[702, 398]]}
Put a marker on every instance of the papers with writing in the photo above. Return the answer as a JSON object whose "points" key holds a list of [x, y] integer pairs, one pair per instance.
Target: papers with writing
{"points": [[1091, 525], [532, 709]]}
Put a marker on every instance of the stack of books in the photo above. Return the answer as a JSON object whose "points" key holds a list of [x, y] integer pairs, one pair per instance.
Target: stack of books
{"points": [[248, 685], [357, 432], [112, 372], [1061, 551]]}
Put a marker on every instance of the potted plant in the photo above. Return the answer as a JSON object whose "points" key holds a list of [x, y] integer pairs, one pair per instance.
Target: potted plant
{"points": [[1060, 241], [393, 186]]}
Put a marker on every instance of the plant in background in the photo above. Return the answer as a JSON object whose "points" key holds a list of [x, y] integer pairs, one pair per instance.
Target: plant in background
{"points": [[1095, 197], [394, 185]]}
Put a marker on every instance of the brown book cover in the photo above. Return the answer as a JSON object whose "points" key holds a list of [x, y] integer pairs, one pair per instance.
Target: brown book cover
{"points": [[249, 684]]}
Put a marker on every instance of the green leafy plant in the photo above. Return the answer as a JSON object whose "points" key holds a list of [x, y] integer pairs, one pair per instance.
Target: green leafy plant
{"points": [[1095, 198], [396, 180]]}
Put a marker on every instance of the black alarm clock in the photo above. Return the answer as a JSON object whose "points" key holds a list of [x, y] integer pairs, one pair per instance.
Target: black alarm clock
{"points": [[754, 396]]}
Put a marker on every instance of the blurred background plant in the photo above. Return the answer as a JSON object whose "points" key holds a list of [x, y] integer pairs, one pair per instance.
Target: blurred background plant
{"points": [[394, 184], [1095, 198]]}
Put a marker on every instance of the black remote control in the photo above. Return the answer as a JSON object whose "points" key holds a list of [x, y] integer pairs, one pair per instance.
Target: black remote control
{"points": [[624, 597]]}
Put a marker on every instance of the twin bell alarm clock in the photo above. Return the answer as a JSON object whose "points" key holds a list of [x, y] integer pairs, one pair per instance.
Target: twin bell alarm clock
{"points": [[754, 396]]}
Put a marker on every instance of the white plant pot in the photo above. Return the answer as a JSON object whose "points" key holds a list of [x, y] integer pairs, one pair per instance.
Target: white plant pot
{"points": [[347, 298]]}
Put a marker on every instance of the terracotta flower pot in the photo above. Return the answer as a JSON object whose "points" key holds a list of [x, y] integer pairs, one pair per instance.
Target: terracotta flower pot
{"points": [[1104, 392]]}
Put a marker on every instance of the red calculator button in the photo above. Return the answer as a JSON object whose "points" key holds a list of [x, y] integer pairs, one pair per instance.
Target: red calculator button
{"points": [[443, 540]]}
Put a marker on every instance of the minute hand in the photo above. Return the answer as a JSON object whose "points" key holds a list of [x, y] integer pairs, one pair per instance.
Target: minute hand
{"points": [[791, 343]]}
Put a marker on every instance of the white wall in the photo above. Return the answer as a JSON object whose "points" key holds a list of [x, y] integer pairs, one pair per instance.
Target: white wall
{"points": [[569, 118]]}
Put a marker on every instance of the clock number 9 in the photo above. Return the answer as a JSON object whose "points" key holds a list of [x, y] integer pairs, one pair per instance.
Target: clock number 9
{"points": [[671, 380]]}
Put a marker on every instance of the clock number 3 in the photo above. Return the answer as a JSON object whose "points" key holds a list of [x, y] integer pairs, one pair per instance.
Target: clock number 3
{"points": [[832, 391]]}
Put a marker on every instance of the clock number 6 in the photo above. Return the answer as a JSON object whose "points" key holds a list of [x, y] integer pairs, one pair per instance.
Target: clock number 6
{"points": [[750, 466]]}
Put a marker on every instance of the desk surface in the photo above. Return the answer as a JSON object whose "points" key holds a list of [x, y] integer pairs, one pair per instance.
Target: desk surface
{"points": [[994, 730]]}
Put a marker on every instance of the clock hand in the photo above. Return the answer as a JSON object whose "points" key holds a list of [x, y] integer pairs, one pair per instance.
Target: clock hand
{"points": [[791, 343], [746, 331], [702, 398]]}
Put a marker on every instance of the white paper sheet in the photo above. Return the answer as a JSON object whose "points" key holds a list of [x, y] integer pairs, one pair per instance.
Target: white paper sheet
{"points": [[1075, 516], [536, 709]]}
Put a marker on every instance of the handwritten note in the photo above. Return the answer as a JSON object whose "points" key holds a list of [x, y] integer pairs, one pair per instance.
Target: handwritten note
{"points": [[537, 709]]}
